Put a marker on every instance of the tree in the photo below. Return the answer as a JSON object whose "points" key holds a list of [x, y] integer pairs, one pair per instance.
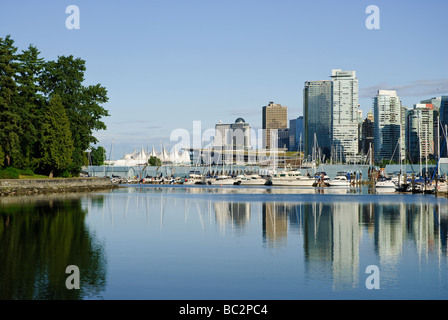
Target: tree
{"points": [[83, 104], [31, 103], [97, 156], [10, 130], [154, 161], [56, 139]]}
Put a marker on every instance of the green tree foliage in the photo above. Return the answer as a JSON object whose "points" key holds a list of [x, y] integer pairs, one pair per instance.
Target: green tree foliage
{"points": [[65, 77], [10, 130], [28, 84], [56, 140], [97, 156], [31, 102], [154, 161]]}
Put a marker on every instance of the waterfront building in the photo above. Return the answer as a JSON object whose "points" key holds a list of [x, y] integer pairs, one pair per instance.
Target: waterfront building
{"points": [[141, 158], [274, 116], [388, 126], [420, 132], [296, 134], [233, 136], [345, 114], [317, 119]]}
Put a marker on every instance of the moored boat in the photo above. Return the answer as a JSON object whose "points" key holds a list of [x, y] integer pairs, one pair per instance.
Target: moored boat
{"points": [[290, 178]]}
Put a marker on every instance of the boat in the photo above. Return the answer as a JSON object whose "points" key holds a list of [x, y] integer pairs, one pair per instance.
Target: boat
{"points": [[250, 180], [321, 179], [194, 177], [290, 178], [222, 180], [442, 187], [385, 183], [340, 181]]}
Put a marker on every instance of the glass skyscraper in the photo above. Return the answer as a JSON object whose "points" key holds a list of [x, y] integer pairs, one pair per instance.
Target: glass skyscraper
{"points": [[420, 133], [317, 101], [345, 114], [389, 136]]}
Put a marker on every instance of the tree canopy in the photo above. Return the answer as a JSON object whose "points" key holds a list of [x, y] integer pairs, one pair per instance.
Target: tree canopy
{"points": [[43, 103]]}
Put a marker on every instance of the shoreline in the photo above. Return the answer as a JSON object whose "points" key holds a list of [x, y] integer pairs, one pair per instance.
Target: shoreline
{"points": [[12, 187]]}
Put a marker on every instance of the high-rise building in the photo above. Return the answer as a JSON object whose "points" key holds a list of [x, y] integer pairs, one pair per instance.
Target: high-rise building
{"points": [[443, 114], [367, 134], [419, 132], [296, 134], [275, 116], [436, 103], [345, 114], [389, 144], [283, 138], [317, 102], [234, 136]]}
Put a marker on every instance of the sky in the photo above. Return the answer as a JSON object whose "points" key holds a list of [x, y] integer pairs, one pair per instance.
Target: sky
{"points": [[169, 64]]}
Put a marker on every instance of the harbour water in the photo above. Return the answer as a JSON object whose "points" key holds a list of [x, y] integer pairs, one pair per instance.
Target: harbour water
{"points": [[171, 242]]}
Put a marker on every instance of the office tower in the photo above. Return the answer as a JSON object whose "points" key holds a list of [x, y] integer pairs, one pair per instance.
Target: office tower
{"points": [[275, 116], [317, 116], [443, 114], [345, 114], [420, 133], [296, 134], [234, 136], [360, 122], [436, 102], [388, 126], [283, 138], [367, 134]]}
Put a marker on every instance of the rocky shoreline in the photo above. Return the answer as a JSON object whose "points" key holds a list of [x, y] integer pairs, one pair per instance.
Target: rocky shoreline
{"points": [[12, 187]]}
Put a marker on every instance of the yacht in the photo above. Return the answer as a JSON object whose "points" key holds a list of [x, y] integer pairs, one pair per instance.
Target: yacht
{"points": [[442, 186], [222, 180], [385, 183], [290, 178], [194, 177], [340, 181], [250, 180]]}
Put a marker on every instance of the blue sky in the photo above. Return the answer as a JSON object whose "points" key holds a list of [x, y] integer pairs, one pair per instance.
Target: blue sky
{"points": [[168, 63]]}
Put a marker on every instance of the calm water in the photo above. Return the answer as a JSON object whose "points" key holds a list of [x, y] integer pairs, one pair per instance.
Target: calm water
{"points": [[230, 243]]}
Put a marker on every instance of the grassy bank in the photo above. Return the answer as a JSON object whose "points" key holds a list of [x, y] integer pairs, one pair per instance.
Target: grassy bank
{"points": [[13, 173]]}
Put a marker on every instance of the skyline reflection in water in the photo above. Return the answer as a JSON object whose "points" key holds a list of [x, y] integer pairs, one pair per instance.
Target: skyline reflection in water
{"points": [[217, 243]]}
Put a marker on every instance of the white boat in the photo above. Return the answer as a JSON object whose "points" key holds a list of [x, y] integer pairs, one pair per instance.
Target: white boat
{"points": [[222, 180], [250, 180], [385, 183], [290, 178], [194, 177], [339, 181], [442, 187]]}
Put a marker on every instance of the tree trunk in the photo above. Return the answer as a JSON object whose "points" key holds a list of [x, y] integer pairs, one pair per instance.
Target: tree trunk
{"points": [[51, 174]]}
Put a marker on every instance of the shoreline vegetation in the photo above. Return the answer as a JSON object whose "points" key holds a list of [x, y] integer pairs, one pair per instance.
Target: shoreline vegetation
{"points": [[47, 114]]}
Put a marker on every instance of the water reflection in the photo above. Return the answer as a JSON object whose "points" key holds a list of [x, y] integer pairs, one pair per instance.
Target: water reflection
{"points": [[329, 239], [332, 232], [39, 238]]}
